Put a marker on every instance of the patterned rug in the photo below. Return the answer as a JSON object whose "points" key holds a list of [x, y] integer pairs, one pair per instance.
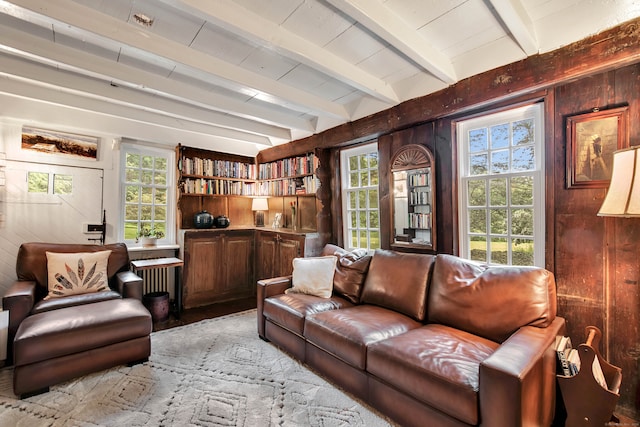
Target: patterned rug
{"points": [[212, 373]]}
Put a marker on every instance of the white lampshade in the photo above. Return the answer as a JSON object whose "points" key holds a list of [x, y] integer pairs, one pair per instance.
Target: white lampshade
{"points": [[259, 205], [623, 196]]}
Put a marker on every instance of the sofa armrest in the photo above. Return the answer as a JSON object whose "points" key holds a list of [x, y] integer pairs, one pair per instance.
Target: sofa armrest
{"points": [[129, 285], [266, 289], [18, 300], [518, 381]]}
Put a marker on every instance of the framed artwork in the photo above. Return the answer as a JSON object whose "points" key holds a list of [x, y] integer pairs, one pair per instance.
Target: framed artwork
{"points": [[60, 143], [591, 140]]}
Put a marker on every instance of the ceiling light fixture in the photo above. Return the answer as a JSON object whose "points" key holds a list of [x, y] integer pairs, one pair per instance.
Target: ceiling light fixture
{"points": [[143, 19]]}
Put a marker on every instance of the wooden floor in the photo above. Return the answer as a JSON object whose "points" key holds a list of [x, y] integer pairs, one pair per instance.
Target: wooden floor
{"points": [[206, 312]]}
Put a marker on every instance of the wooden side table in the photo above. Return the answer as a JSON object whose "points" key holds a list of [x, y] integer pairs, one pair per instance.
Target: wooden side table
{"points": [[172, 262]]}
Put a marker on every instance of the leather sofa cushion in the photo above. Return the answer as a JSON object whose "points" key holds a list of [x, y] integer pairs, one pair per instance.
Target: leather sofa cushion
{"points": [[435, 364], [73, 300], [73, 330], [351, 270], [462, 292], [346, 333], [290, 310], [398, 281]]}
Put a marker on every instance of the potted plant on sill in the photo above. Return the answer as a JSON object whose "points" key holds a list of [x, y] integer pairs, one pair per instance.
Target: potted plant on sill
{"points": [[149, 236]]}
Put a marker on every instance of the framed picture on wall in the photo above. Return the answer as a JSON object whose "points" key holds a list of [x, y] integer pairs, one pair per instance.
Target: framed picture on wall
{"points": [[59, 143], [591, 140]]}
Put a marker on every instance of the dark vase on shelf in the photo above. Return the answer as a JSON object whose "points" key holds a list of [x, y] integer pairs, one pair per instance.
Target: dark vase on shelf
{"points": [[221, 221], [203, 219]]}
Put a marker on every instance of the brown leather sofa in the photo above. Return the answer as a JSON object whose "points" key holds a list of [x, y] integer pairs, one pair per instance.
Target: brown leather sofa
{"points": [[426, 340], [54, 340]]}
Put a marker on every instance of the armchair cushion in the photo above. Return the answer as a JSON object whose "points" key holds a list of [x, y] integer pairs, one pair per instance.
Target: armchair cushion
{"points": [[76, 273]]}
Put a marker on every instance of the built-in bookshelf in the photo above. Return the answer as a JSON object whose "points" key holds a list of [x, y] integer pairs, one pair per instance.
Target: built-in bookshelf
{"points": [[419, 184], [203, 172], [212, 181], [290, 176]]}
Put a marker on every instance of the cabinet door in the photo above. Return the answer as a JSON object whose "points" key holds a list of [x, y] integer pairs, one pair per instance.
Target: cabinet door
{"points": [[238, 266], [289, 247], [266, 252], [203, 273]]}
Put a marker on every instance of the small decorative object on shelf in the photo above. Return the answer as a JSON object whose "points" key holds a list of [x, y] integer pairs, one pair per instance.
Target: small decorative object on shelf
{"points": [[277, 220], [589, 384], [203, 219], [221, 221], [294, 217]]}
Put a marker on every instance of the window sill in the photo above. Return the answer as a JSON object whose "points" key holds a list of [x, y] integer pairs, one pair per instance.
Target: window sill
{"points": [[138, 248]]}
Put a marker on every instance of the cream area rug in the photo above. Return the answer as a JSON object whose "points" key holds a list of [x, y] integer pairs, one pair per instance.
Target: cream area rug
{"points": [[216, 372]]}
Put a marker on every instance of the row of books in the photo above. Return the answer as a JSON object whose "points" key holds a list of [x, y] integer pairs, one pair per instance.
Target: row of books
{"points": [[288, 187], [420, 220], [569, 361], [420, 179], [217, 168], [419, 197], [219, 187], [293, 166]]}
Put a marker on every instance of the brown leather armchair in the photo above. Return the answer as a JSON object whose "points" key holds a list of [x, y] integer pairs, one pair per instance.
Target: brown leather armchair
{"points": [[53, 340]]}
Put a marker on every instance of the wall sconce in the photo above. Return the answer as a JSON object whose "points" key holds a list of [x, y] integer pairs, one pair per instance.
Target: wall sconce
{"points": [[623, 196], [259, 206]]}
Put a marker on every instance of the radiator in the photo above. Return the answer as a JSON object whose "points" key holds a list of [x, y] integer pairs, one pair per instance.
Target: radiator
{"points": [[155, 279]]}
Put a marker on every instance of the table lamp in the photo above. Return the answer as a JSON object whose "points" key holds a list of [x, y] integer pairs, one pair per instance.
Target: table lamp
{"points": [[259, 205], [623, 196]]}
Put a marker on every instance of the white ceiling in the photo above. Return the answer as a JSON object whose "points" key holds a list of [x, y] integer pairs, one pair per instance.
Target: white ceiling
{"points": [[241, 75]]}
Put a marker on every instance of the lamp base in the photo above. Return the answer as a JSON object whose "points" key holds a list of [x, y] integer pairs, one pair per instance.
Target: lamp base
{"points": [[259, 219]]}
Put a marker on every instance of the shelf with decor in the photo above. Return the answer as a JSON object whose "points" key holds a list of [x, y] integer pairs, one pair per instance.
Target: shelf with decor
{"points": [[211, 181], [224, 184]]}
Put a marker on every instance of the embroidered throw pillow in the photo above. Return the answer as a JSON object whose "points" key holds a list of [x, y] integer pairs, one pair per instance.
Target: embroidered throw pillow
{"points": [[313, 276], [76, 273]]}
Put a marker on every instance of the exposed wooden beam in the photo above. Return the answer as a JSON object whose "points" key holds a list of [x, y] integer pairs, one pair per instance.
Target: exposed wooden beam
{"points": [[604, 51], [232, 76], [257, 119], [53, 94], [252, 26], [515, 17], [383, 22]]}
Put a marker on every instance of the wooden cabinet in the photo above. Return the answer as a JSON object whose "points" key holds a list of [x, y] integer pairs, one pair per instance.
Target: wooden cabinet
{"points": [[275, 252], [218, 266]]}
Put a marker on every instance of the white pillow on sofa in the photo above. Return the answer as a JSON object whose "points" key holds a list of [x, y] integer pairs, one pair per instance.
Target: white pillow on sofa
{"points": [[313, 276], [76, 273]]}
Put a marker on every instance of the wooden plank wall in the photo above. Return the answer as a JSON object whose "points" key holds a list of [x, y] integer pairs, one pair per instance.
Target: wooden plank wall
{"points": [[596, 260]]}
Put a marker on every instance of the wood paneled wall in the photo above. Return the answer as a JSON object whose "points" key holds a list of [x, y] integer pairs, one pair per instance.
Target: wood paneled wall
{"points": [[596, 260]]}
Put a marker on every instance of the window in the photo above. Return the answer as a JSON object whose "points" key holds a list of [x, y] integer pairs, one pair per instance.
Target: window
{"points": [[38, 182], [361, 218], [501, 182], [147, 196]]}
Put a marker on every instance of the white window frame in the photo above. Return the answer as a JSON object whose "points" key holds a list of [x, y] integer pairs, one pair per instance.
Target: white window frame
{"points": [[535, 112], [169, 154], [347, 190]]}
